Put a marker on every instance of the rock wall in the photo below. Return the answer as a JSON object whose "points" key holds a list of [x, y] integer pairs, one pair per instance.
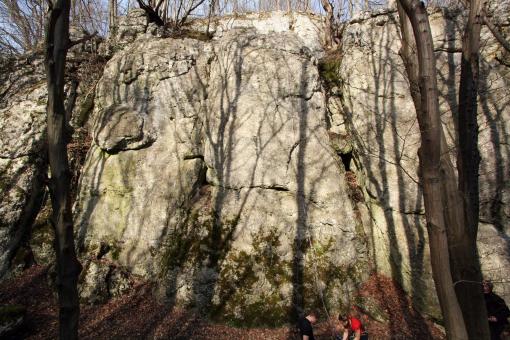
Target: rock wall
{"points": [[23, 164], [247, 173], [22, 135], [211, 172], [372, 112]]}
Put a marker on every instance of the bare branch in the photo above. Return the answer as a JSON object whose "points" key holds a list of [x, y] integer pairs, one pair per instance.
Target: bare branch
{"points": [[496, 33]]}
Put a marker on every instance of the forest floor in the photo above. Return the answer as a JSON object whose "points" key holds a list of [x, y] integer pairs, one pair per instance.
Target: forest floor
{"points": [[139, 315]]}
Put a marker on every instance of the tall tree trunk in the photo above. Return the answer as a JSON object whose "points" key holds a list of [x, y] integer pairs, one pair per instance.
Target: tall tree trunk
{"points": [[420, 54], [68, 267], [165, 13], [328, 7], [112, 14], [464, 257], [212, 9]]}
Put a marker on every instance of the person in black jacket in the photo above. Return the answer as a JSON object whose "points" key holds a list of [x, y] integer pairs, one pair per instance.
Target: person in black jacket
{"points": [[305, 325], [497, 311]]}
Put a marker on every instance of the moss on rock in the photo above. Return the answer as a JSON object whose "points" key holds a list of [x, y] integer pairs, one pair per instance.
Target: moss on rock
{"points": [[251, 286], [329, 67]]}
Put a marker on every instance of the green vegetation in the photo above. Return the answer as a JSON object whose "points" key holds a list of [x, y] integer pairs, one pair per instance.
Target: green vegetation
{"points": [[246, 299], [329, 67], [253, 286]]}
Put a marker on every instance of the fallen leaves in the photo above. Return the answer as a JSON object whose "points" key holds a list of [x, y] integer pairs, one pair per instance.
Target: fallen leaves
{"points": [[140, 315]]}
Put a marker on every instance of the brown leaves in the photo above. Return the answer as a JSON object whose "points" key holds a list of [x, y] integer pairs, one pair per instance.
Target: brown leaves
{"points": [[140, 315]]}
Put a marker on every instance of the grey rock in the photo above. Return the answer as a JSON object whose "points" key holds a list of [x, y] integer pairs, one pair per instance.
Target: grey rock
{"points": [[101, 280], [215, 166], [130, 26], [121, 128], [94, 287], [239, 163], [22, 137], [23, 165], [377, 113]]}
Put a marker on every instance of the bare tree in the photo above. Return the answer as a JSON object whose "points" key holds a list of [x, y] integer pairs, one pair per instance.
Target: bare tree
{"points": [[156, 11], [151, 10], [495, 32], [188, 7], [212, 10], [419, 59], [22, 22], [21, 27], [68, 267], [462, 200], [465, 263], [90, 15], [330, 17]]}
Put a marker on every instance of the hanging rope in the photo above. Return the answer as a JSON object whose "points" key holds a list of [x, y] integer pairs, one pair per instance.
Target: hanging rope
{"points": [[316, 279]]}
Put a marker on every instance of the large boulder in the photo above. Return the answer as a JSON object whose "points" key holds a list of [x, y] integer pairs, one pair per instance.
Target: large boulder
{"points": [[309, 28], [244, 174], [211, 172], [144, 162]]}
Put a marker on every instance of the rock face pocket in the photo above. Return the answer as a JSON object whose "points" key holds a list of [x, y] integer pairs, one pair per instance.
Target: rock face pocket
{"points": [[121, 128]]}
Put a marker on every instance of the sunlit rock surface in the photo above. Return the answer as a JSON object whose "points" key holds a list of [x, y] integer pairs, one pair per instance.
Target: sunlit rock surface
{"points": [[245, 173], [22, 137], [376, 116], [211, 172]]}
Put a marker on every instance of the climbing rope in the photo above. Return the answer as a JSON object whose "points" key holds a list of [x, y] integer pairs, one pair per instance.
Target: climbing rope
{"points": [[316, 279], [476, 282], [466, 281]]}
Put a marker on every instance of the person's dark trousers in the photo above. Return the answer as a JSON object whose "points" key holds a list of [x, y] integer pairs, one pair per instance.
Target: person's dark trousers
{"points": [[496, 330]]}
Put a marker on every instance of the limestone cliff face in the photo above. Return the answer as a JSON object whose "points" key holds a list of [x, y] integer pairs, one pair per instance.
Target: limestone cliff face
{"points": [[22, 135], [372, 110], [211, 172], [245, 173]]}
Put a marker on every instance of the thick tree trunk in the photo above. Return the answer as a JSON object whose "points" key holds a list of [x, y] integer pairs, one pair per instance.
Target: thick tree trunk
{"points": [[68, 267], [420, 54], [464, 257]]}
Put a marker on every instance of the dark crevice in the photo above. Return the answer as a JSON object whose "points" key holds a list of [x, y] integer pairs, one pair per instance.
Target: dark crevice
{"points": [[104, 248], [188, 157], [199, 184], [346, 158], [275, 187]]}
